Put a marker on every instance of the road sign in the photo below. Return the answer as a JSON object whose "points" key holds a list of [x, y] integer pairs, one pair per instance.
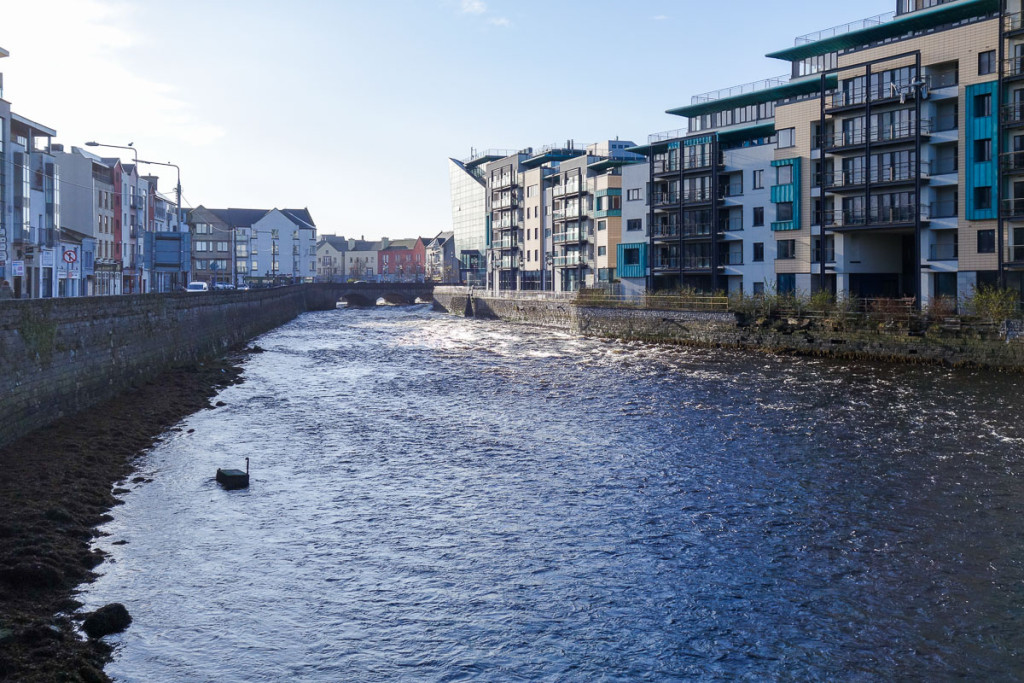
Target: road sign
{"points": [[70, 257]]}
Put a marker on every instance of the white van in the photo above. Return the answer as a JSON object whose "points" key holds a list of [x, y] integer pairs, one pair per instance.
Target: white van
{"points": [[197, 287]]}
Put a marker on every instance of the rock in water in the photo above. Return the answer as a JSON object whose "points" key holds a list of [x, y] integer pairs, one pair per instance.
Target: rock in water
{"points": [[112, 618]]}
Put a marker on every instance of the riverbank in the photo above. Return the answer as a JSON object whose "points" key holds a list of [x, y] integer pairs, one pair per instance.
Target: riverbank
{"points": [[56, 485], [881, 336]]}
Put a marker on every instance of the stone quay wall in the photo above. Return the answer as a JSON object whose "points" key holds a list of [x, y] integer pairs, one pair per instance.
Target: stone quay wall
{"points": [[60, 356], [952, 345]]}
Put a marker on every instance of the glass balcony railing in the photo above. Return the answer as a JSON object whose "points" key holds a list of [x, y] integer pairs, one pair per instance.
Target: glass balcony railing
{"points": [[943, 252], [666, 262]]}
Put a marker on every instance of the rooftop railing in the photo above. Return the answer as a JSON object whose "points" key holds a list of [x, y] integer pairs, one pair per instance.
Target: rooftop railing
{"points": [[842, 29], [742, 89]]}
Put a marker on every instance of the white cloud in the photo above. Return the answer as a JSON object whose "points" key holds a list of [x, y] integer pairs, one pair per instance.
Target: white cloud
{"points": [[499, 21], [89, 89], [473, 6], [660, 17]]}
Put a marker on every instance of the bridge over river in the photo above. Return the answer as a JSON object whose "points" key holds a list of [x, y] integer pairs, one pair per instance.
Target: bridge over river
{"points": [[368, 293]]}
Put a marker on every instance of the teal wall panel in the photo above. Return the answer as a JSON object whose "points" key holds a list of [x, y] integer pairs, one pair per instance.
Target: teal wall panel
{"points": [[981, 125]]}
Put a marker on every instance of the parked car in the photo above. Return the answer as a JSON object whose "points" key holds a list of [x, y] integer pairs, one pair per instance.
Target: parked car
{"points": [[242, 287], [197, 287], [223, 285]]}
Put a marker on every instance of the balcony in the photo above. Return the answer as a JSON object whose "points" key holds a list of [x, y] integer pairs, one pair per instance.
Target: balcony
{"points": [[507, 243], [730, 223], [510, 262], [506, 223], [733, 258], [943, 252], [1012, 208], [569, 236], [570, 188], [1015, 253], [696, 263], [503, 180], [946, 208], [697, 229], [505, 203], [731, 190], [946, 123], [879, 135], [565, 214], [697, 196], [891, 216], [665, 166], [665, 262], [1012, 162], [569, 261], [661, 230], [1013, 68], [1013, 22], [944, 166], [1012, 114], [665, 198]]}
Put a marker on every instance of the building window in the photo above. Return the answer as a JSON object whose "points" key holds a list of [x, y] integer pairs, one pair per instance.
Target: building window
{"points": [[602, 251], [631, 257], [758, 288], [983, 198], [787, 249], [986, 62], [986, 241], [784, 211], [982, 105], [784, 175], [983, 149], [635, 224], [633, 194], [787, 138], [786, 283], [758, 251], [758, 182], [602, 225], [758, 216]]}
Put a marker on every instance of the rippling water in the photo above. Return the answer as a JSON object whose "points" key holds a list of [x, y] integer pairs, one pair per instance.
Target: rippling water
{"points": [[440, 499]]}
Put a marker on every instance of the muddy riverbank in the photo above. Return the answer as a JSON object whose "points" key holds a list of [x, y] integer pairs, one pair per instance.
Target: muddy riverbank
{"points": [[56, 486]]}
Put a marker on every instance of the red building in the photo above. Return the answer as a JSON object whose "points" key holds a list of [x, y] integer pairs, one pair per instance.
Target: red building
{"points": [[402, 260]]}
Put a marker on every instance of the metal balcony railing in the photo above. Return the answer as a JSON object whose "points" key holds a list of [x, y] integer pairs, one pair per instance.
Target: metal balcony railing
{"points": [[665, 198], [1012, 114], [696, 229], [1015, 253], [666, 165], [666, 262], [569, 261], [1014, 66], [665, 230], [1013, 208], [697, 262], [1012, 162]]}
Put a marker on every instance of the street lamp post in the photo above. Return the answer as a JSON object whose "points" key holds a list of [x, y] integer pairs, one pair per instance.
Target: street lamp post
{"points": [[135, 154], [177, 194]]}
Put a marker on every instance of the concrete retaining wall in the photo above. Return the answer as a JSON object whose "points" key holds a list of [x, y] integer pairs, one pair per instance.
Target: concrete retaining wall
{"points": [[978, 345], [60, 356]]}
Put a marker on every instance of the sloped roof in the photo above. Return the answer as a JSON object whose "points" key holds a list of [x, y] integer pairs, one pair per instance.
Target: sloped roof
{"points": [[403, 244], [239, 218], [337, 242], [300, 217]]}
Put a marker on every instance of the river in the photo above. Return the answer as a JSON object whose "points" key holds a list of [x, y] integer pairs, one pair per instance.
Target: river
{"points": [[442, 499]]}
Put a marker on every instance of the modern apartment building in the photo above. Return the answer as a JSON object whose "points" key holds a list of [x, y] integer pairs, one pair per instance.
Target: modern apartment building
{"points": [[883, 164], [469, 213]]}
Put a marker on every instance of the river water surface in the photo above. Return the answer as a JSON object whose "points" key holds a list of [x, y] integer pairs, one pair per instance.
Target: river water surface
{"points": [[442, 499]]}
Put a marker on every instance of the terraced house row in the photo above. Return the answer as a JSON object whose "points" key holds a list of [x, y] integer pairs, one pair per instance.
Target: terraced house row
{"points": [[75, 223], [888, 161]]}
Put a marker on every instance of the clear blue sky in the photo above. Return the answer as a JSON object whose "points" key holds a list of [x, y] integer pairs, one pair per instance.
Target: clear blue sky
{"points": [[352, 108]]}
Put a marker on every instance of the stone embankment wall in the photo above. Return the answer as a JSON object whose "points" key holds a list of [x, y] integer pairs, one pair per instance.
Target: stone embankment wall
{"points": [[877, 340], [60, 356]]}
